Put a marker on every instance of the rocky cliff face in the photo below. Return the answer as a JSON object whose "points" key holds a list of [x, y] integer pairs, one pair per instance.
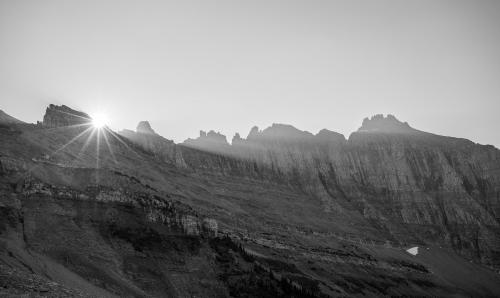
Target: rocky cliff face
{"points": [[440, 190], [281, 213], [57, 116], [104, 242], [416, 186], [108, 231]]}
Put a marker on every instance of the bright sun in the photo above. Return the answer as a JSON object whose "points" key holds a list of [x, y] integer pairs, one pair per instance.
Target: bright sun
{"points": [[99, 120]]}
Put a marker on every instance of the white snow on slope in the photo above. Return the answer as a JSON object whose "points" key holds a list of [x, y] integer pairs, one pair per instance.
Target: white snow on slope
{"points": [[413, 250]]}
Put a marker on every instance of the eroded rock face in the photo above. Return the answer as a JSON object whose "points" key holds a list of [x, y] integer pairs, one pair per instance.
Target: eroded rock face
{"points": [[419, 187], [58, 116], [123, 242]]}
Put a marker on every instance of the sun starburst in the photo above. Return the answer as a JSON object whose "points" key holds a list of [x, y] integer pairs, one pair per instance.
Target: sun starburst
{"points": [[99, 120], [96, 132]]}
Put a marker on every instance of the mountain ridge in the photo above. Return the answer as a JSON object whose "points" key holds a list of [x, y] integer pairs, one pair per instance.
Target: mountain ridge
{"points": [[376, 119], [142, 216]]}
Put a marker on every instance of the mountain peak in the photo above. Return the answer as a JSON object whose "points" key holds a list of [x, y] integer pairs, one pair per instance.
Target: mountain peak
{"points": [[388, 124], [330, 136], [145, 127], [278, 131], [253, 132], [57, 116], [211, 141]]}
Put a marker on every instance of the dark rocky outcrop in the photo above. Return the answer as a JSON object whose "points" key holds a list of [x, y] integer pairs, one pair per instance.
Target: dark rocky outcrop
{"points": [[58, 116]]}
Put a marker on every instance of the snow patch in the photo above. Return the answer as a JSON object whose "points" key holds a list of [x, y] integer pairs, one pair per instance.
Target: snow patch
{"points": [[413, 250]]}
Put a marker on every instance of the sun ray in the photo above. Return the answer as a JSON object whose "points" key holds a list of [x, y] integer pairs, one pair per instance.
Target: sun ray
{"points": [[74, 115], [99, 120], [71, 141], [68, 126], [92, 133], [98, 147], [85, 145], [104, 133], [121, 141], [53, 153]]}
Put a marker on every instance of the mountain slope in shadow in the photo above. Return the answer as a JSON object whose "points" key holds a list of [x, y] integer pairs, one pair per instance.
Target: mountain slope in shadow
{"points": [[135, 215]]}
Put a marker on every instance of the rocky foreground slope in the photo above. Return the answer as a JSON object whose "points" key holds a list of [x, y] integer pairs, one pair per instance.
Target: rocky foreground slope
{"points": [[282, 213]]}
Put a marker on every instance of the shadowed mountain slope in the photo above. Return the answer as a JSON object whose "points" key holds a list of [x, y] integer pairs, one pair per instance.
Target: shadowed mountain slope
{"points": [[133, 214], [415, 186]]}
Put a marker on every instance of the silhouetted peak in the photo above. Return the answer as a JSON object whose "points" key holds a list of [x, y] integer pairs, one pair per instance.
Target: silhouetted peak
{"points": [[208, 140], [285, 131], [57, 116], [145, 127], [289, 134], [236, 139], [216, 136], [253, 132], [390, 124], [328, 136], [278, 131]]}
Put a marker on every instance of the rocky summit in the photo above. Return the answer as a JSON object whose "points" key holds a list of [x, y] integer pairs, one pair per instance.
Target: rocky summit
{"points": [[145, 127], [389, 124], [211, 141], [57, 116], [389, 211]]}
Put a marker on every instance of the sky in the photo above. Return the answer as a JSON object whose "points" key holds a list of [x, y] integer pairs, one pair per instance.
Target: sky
{"points": [[189, 65]]}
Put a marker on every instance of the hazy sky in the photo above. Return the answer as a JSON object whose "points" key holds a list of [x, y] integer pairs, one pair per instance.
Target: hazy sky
{"points": [[229, 65]]}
